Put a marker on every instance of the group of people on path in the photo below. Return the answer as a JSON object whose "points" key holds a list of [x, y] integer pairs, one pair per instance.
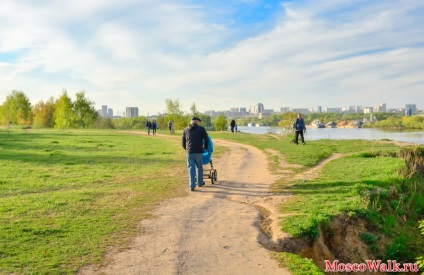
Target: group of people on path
{"points": [[151, 125]]}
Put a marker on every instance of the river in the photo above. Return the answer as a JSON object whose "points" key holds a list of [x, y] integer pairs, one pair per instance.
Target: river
{"points": [[410, 136]]}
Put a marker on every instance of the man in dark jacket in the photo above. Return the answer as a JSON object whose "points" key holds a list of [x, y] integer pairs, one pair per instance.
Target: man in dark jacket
{"points": [[299, 128], [194, 141]]}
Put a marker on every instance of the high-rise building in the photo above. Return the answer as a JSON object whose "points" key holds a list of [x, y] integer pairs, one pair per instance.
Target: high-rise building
{"points": [[413, 107], [131, 112], [258, 108], [109, 112], [104, 110], [368, 110], [319, 109], [380, 108]]}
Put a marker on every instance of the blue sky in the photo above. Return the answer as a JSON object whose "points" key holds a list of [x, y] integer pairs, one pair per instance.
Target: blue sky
{"points": [[218, 54]]}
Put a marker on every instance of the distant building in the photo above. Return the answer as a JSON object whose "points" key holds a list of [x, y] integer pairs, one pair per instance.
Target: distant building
{"points": [[380, 108], [104, 111], [304, 111], [243, 111], [350, 109], [109, 112], [359, 109], [285, 109], [131, 112], [258, 108], [368, 110], [413, 107], [211, 113], [319, 110], [332, 110]]}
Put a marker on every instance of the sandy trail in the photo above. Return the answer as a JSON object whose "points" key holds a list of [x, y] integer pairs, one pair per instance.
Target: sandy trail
{"points": [[215, 230]]}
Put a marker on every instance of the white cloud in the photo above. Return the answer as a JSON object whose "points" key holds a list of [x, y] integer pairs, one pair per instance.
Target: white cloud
{"points": [[136, 51]]}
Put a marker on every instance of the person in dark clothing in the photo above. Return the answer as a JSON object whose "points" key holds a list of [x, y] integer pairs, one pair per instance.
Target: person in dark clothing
{"points": [[148, 126], [154, 127], [233, 125], [194, 141], [299, 128]]}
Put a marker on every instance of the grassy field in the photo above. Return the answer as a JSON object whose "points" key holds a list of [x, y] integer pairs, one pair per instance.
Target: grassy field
{"points": [[65, 196], [68, 196]]}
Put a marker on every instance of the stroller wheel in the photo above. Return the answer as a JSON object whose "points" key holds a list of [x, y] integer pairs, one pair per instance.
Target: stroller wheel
{"points": [[215, 175], [212, 178]]}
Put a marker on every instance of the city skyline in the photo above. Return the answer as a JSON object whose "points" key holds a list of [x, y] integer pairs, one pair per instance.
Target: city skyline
{"points": [[106, 111], [139, 53]]}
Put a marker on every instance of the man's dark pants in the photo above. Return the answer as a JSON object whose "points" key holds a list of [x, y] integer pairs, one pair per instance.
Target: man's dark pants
{"points": [[301, 136]]}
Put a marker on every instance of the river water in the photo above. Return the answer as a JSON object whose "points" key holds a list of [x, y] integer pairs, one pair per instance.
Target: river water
{"points": [[415, 137]]}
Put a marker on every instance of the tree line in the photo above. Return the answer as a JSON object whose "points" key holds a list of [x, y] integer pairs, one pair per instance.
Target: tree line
{"points": [[65, 113]]}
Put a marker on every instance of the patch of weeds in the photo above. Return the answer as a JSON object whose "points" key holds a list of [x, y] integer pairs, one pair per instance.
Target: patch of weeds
{"points": [[370, 240], [389, 222], [402, 249], [297, 265]]}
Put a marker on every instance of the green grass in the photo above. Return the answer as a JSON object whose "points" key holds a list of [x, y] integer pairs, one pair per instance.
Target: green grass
{"points": [[66, 196], [297, 265], [338, 189], [310, 154]]}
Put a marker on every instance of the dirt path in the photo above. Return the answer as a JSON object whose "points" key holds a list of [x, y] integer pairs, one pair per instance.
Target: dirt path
{"points": [[215, 230]]}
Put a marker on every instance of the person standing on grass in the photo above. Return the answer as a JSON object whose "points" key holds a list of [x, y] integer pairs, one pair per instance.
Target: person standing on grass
{"points": [[299, 128], [194, 141], [148, 126], [154, 127], [170, 127], [233, 125]]}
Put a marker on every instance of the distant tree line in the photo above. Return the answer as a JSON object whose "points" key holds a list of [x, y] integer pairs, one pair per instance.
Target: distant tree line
{"points": [[65, 113]]}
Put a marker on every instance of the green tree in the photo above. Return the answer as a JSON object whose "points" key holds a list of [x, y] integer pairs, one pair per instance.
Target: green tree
{"points": [[16, 108], [220, 123], [193, 109], [43, 114], [173, 107], [63, 114], [286, 123], [84, 113]]}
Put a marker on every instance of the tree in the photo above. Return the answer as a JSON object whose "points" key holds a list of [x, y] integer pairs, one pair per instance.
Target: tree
{"points": [[43, 114], [63, 114], [193, 109], [286, 123], [84, 113], [16, 108], [220, 123], [173, 107]]}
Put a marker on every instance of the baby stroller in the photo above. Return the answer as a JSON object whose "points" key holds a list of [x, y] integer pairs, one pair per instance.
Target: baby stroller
{"points": [[207, 159]]}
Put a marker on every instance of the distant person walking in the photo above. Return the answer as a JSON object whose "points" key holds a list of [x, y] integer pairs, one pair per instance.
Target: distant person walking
{"points": [[299, 128], [194, 141], [154, 127], [233, 125], [171, 127], [148, 126]]}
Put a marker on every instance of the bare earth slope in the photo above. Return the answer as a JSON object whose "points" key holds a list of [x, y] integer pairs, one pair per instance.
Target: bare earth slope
{"points": [[215, 230]]}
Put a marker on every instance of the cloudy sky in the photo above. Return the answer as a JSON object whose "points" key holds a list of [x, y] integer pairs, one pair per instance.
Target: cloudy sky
{"points": [[218, 54]]}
